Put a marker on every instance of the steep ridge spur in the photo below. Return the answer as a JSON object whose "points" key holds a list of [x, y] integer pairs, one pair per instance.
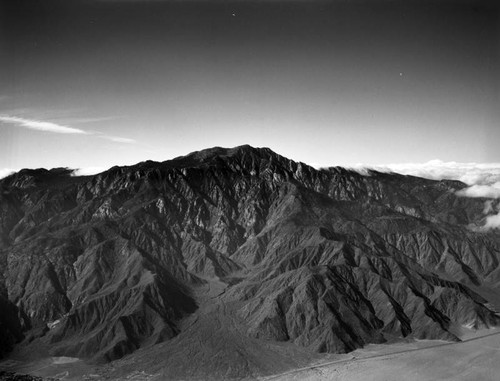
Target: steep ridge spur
{"points": [[330, 260]]}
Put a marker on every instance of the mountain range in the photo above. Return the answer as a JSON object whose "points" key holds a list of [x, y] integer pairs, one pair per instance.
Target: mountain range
{"points": [[231, 263]]}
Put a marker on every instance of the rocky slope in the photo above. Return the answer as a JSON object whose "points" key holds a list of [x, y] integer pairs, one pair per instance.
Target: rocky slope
{"points": [[99, 266]]}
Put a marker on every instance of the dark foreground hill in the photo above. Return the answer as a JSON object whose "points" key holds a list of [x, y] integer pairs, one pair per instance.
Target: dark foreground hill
{"points": [[232, 262]]}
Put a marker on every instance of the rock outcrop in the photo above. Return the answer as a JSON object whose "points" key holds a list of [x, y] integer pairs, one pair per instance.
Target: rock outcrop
{"points": [[328, 259]]}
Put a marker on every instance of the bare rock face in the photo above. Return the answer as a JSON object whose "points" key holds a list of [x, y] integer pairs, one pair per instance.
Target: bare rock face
{"points": [[329, 260]]}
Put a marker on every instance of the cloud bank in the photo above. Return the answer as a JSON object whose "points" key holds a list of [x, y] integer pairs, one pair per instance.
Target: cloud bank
{"points": [[469, 173], [483, 180]]}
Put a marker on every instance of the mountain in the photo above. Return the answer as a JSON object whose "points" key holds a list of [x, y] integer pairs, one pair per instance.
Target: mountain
{"points": [[232, 262]]}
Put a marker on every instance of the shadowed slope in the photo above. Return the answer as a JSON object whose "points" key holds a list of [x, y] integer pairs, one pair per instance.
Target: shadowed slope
{"points": [[328, 260]]}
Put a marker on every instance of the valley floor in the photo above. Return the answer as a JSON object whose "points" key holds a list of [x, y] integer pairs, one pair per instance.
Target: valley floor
{"points": [[213, 345], [475, 358]]}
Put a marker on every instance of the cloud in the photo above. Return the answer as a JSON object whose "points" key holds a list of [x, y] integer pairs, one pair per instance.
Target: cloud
{"points": [[488, 207], [469, 173], [492, 222], [88, 171], [118, 139], [483, 180], [484, 191], [4, 172], [90, 120], [41, 125]]}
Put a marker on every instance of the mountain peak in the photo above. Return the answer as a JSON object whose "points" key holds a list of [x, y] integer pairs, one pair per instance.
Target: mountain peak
{"points": [[244, 156], [214, 152]]}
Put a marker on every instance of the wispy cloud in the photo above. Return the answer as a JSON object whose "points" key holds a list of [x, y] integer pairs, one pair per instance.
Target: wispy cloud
{"points": [[90, 120], [118, 139], [57, 128], [39, 125]]}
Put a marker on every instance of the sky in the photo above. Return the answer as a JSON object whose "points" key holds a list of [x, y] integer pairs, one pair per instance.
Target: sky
{"points": [[95, 83]]}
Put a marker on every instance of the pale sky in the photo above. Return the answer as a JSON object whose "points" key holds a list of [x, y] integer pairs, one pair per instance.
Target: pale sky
{"points": [[90, 83]]}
